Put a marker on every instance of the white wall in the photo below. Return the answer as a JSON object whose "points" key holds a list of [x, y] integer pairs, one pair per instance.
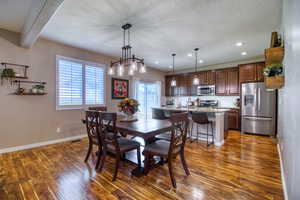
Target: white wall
{"points": [[289, 100], [32, 119]]}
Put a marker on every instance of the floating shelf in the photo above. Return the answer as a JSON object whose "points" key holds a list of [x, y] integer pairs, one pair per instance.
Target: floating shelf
{"points": [[30, 93], [274, 55], [20, 70]]}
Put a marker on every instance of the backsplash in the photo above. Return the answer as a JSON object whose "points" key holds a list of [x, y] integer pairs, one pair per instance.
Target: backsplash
{"points": [[224, 101]]}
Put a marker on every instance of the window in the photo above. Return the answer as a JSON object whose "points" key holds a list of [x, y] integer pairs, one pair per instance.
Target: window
{"points": [[148, 95], [79, 84]]}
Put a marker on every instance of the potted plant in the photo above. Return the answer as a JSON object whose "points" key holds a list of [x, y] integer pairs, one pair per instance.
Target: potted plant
{"points": [[129, 107], [274, 76], [8, 74], [39, 88]]}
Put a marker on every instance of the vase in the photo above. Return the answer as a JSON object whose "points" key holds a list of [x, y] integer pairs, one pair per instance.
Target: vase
{"points": [[128, 115]]}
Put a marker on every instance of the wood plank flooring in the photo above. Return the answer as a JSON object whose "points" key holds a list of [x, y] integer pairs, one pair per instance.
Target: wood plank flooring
{"points": [[245, 167]]}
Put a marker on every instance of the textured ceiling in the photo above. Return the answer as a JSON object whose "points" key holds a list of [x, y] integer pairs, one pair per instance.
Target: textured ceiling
{"points": [[161, 27]]}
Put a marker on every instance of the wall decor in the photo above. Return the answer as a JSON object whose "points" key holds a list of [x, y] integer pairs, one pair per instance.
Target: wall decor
{"points": [[119, 88]]}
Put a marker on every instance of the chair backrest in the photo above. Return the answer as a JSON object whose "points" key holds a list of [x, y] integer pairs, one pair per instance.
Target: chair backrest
{"points": [[180, 122], [158, 114], [200, 117], [108, 130], [92, 122], [99, 108]]}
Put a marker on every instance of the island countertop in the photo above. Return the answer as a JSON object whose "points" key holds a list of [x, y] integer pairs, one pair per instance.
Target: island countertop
{"points": [[192, 109]]}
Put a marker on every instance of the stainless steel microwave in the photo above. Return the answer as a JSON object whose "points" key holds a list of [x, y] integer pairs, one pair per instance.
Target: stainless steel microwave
{"points": [[206, 90]]}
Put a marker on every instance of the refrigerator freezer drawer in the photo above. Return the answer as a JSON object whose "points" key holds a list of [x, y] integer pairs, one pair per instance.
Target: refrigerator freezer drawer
{"points": [[258, 125]]}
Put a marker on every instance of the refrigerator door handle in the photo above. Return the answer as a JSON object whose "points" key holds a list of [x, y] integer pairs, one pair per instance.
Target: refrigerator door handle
{"points": [[258, 96], [258, 118]]}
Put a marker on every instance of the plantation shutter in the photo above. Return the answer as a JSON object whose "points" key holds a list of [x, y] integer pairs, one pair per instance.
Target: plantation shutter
{"points": [[94, 85]]}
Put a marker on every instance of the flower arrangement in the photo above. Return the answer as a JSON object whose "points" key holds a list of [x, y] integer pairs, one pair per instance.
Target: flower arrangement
{"points": [[128, 106], [273, 70]]}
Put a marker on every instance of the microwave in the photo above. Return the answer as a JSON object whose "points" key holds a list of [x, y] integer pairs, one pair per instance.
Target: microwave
{"points": [[206, 90]]}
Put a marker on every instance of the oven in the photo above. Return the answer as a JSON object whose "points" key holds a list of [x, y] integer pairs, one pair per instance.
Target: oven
{"points": [[206, 90]]}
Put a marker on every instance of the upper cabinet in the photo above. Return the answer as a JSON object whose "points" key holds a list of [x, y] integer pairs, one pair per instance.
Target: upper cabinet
{"points": [[252, 72], [210, 78], [227, 82]]}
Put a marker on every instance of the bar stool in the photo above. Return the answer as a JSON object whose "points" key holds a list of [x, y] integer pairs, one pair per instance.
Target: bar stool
{"points": [[202, 119]]}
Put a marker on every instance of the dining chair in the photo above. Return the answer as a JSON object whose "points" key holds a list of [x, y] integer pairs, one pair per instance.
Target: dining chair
{"points": [[92, 122], [98, 108], [202, 119], [113, 143], [170, 149]]}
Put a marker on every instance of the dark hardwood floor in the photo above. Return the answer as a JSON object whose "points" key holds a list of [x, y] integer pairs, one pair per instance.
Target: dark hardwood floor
{"points": [[245, 167]]}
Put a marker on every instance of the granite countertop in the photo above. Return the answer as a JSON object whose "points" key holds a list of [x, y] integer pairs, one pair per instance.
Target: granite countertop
{"points": [[193, 109]]}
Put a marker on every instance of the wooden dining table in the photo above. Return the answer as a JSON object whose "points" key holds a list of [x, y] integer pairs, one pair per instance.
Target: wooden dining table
{"points": [[144, 131]]}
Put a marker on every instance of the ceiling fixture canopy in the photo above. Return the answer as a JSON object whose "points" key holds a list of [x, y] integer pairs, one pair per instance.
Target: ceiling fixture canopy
{"points": [[128, 62], [173, 81], [196, 80]]}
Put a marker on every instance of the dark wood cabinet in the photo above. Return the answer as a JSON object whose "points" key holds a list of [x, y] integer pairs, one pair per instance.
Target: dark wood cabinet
{"points": [[210, 78], [202, 77], [259, 72], [192, 88], [169, 90], [233, 82], [182, 85], [234, 119], [221, 82], [227, 82], [252, 72]]}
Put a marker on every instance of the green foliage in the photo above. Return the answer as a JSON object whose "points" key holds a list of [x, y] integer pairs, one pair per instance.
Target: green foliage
{"points": [[39, 86], [273, 70]]}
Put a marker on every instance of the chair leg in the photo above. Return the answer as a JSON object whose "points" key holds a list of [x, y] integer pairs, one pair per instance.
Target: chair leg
{"points": [[89, 152], [146, 164], [138, 151], [99, 156], [116, 167], [197, 132], [171, 173], [212, 133], [183, 161], [103, 156], [207, 135]]}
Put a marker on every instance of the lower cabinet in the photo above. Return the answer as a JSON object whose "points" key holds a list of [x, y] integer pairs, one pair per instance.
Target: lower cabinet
{"points": [[234, 119]]}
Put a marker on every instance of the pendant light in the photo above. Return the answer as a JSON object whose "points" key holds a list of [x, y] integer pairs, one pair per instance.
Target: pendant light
{"points": [[196, 80], [173, 81]]}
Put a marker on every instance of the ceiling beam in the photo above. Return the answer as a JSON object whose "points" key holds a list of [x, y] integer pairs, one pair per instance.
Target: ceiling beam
{"points": [[40, 14]]}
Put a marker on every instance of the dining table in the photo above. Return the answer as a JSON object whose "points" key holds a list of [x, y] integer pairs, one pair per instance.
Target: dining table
{"points": [[143, 131]]}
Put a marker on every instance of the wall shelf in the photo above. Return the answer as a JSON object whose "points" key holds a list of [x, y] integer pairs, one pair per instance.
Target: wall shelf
{"points": [[29, 93], [19, 82], [20, 70]]}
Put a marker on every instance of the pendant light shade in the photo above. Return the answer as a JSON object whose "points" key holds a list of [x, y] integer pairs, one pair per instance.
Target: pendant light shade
{"points": [[196, 80], [173, 81]]}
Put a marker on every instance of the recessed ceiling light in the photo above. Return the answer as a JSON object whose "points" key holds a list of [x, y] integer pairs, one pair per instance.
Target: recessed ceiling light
{"points": [[201, 61], [244, 53], [238, 44], [189, 55], [170, 66], [156, 62]]}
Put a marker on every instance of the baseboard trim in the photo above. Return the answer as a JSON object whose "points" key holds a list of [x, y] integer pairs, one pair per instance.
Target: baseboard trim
{"points": [[39, 144], [282, 174]]}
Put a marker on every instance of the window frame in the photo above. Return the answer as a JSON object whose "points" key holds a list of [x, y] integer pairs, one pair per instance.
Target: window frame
{"points": [[83, 63]]}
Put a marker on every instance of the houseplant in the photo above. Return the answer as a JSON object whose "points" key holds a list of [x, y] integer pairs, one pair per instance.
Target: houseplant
{"points": [[274, 76], [8, 74], [39, 88], [129, 107]]}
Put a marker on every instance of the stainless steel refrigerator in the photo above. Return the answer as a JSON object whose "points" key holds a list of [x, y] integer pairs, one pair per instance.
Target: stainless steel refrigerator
{"points": [[258, 109]]}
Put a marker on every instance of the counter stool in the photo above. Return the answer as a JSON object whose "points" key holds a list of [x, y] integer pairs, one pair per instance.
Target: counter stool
{"points": [[202, 119]]}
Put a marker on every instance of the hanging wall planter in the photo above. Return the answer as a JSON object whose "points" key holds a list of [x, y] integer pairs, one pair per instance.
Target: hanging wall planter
{"points": [[274, 78]]}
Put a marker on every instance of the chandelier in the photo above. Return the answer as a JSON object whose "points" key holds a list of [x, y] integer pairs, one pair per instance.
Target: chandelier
{"points": [[173, 81], [128, 62], [196, 80]]}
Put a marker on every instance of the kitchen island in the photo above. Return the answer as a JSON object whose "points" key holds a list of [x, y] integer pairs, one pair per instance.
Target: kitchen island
{"points": [[218, 116]]}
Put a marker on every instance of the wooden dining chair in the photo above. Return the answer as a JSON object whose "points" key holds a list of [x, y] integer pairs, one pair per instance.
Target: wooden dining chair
{"points": [[170, 150], [99, 108], [92, 122], [114, 144]]}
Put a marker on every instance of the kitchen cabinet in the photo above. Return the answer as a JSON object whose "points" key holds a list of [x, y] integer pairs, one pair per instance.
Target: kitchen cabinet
{"points": [[252, 72], [182, 85], [169, 90], [227, 82], [221, 82], [202, 77], [192, 88], [234, 119], [210, 78], [233, 82]]}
